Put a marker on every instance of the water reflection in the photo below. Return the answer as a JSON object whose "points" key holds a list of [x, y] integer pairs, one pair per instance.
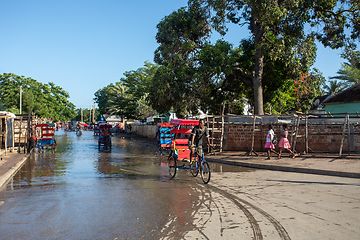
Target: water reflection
{"points": [[79, 192]]}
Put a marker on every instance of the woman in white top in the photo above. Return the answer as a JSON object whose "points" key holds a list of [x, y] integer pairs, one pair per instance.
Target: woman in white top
{"points": [[269, 142]]}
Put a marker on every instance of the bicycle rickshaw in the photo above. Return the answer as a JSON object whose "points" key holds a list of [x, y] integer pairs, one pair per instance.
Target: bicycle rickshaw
{"points": [[104, 135], [79, 129], [179, 157], [46, 140], [96, 129], [164, 136]]}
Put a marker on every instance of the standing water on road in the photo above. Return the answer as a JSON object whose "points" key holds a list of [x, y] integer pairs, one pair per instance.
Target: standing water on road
{"points": [[81, 192]]}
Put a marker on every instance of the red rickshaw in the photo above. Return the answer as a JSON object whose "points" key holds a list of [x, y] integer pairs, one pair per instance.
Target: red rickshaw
{"points": [[179, 157]]}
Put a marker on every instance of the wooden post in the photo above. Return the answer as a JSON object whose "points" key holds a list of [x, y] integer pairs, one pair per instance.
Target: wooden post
{"points": [[13, 133], [306, 136], [253, 138], [296, 130], [6, 127], [20, 123], [213, 132], [343, 134], [348, 129], [222, 133]]}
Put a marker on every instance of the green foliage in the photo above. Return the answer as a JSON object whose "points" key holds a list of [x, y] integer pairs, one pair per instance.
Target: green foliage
{"points": [[278, 30], [350, 71], [128, 97], [180, 36], [296, 95], [44, 100], [334, 87]]}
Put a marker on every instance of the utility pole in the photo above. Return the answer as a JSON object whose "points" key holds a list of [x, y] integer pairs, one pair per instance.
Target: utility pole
{"points": [[90, 114], [20, 100], [93, 119]]}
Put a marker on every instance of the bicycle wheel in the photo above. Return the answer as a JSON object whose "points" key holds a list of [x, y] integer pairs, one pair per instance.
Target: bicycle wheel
{"points": [[172, 166], [205, 172], [194, 168]]}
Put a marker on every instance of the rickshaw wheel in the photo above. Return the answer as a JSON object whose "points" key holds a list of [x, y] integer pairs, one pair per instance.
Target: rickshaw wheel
{"points": [[205, 172], [194, 168], [172, 166]]}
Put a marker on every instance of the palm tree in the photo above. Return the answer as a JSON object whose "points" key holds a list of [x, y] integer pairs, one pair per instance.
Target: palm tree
{"points": [[350, 72], [334, 87]]}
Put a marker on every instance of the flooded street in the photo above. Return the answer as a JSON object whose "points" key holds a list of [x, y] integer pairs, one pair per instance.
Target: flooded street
{"points": [[80, 192], [83, 193]]}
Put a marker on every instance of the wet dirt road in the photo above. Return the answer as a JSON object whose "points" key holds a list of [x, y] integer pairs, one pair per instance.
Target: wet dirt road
{"points": [[80, 192]]}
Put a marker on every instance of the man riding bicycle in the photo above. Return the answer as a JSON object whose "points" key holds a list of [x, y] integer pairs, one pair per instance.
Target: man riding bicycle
{"points": [[196, 137]]}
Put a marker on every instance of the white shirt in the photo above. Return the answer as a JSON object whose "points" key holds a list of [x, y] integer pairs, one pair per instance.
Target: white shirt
{"points": [[270, 136]]}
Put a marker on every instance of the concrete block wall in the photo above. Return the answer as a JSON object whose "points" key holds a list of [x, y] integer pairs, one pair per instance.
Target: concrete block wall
{"points": [[148, 131], [239, 137]]}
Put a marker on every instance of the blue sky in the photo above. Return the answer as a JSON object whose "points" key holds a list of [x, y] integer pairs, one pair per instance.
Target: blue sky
{"points": [[84, 45]]}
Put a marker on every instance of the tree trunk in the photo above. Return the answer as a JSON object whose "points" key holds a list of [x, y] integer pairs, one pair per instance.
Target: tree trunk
{"points": [[257, 83], [258, 70]]}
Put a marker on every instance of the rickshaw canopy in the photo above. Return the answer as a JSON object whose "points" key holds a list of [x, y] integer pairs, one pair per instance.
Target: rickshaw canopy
{"points": [[105, 125], [184, 122], [42, 125], [164, 125]]}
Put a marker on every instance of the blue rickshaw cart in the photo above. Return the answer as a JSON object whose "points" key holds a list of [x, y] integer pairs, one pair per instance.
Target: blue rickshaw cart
{"points": [[104, 139], [46, 140], [164, 136]]}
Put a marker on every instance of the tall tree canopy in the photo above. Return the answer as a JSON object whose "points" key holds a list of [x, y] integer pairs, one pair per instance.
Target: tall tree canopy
{"points": [[128, 97], [180, 36], [278, 30], [206, 76], [45, 100]]}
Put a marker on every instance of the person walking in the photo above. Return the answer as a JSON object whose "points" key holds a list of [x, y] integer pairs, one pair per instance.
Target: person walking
{"points": [[269, 145], [284, 142]]}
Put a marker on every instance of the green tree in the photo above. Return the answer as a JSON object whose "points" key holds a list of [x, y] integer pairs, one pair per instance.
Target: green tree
{"points": [[180, 36], [102, 97], [45, 100], [297, 94], [350, 71], [128, 97], [278, 27], [334, 87]]}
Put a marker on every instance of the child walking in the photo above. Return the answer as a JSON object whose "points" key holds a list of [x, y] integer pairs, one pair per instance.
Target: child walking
{"points": [[269, 142], [284, 142]]}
